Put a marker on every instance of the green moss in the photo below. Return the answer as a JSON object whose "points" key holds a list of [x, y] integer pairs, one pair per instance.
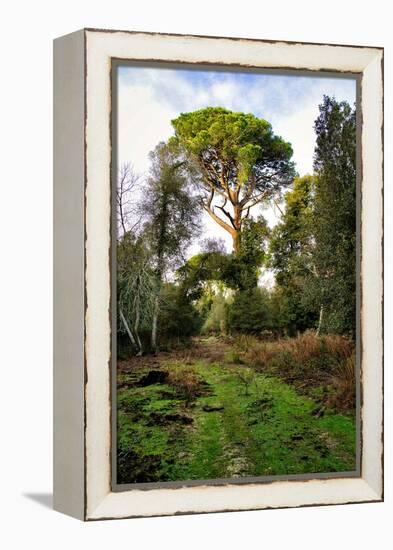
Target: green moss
{"points": [[268, 430]]}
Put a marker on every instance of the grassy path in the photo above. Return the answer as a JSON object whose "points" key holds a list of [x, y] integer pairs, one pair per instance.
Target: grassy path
{"points": [[227, 431]]}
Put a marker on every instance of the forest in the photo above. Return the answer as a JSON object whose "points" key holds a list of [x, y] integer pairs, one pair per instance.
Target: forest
{"points": [[239, 361]]}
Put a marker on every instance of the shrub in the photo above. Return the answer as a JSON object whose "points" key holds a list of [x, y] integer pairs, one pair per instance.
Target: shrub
{"points": [[247, 377], [184, 380]]}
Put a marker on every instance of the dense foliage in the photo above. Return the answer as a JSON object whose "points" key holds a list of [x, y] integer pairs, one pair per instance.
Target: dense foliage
{"points": [[292, 248], [335, 212], [165, 295], [241, 162], [250, 311], [314, 247]]}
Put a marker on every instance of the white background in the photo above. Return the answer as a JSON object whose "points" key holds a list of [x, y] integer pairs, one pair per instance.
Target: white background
{"points": [[26, 274]]}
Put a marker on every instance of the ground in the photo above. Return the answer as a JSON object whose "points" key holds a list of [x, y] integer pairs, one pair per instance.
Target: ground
{"points": [[203, 414]]}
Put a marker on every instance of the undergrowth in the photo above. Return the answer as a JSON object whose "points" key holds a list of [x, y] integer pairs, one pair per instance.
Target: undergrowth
{"points": [[309, 361]]}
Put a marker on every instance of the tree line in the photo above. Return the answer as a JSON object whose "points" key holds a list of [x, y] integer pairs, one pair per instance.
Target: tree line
{"points": [[228, 164]]}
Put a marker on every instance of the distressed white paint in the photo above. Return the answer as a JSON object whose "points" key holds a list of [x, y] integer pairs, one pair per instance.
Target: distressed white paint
{"points": [[233, 497], [101, 46], [371, 266]]}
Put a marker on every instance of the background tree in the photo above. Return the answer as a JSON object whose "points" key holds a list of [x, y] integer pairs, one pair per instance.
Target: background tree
{"points": [[196, 274], [134, 276], [236, 272], [292, 249], [172, 218], [243, 269], [335, 215], [135, 288], [240, 160], [250, 311], [179, 319], [216, 317], [126, 190]]}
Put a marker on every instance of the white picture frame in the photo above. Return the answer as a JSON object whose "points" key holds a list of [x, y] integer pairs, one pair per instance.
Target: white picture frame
{"points": [[82, 270]]}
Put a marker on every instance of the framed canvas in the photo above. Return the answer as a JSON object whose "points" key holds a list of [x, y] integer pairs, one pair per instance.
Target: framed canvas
{"points": [[218, 274]]}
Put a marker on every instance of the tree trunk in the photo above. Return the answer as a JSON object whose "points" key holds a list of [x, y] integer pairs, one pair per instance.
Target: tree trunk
{"points": [[156, 306], [237, 222], [156, 311], [130, 335], [136, 327], [161, 247], [320, 320], [236, 242]]}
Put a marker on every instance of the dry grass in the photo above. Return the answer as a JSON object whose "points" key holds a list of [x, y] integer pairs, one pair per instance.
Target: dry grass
{"points": [[343, 381], [184, 380], [339, 346], [261, 354], [309, 361], [302, 349], [245, 342]]}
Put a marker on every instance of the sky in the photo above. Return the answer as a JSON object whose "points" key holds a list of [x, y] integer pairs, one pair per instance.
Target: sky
{"points": [[150, 97]]}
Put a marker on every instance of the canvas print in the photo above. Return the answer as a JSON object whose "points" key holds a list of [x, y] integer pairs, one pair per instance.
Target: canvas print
{"points": [[235, 271]]}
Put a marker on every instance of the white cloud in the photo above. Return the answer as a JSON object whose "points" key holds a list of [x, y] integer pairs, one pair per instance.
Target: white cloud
{"points": [[142, 123], [298, 126], [224, 92]]}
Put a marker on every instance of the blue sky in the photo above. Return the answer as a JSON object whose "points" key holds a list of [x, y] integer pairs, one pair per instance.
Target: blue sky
{"points": [[150, 97]]}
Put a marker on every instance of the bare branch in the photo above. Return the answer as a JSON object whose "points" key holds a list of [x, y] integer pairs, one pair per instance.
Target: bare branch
{"points": [[278, 206], [127, 183]]}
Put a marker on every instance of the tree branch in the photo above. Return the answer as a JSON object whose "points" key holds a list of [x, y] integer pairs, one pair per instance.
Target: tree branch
{"points": [[212, 214], [278, 206], [226, 213], [256, 199]]}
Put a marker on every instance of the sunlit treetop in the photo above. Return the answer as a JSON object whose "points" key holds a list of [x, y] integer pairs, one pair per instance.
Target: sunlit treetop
{"points": [[240, 161], [235, 148]]}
